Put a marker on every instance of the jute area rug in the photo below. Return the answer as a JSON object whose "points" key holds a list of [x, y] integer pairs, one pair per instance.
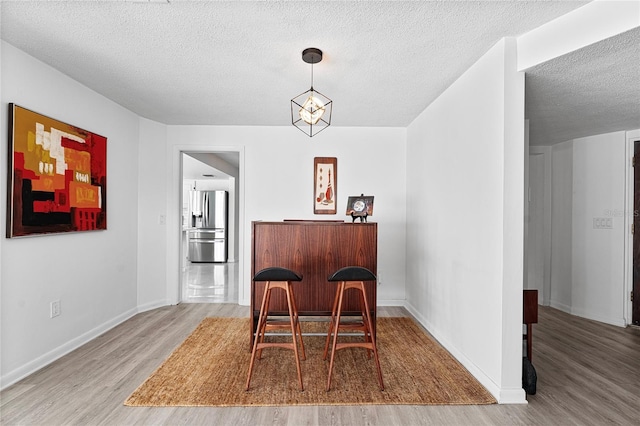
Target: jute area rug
{"points": [[210, 369]]}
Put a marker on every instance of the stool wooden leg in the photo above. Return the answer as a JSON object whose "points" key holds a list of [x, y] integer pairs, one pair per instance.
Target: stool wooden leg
{"points": [[373, 339], [332, 322], [367, 332], [262, 319], [294, 333], [298, 328], [335, 331], [266, 316]]}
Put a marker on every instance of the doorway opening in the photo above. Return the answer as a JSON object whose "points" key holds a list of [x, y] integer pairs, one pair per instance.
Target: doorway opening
{"points": [[635, 285], [209, 266]]}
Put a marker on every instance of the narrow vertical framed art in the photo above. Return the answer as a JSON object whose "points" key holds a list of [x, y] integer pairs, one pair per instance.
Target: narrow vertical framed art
{"points": [[325, 184], [57, 176]]}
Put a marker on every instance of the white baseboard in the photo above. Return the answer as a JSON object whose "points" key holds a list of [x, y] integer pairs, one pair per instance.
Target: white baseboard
{"points": [[73, 344], [620, 322], [391, 302], [512, 396], [153, 305], [503, 396], [560, 306]]}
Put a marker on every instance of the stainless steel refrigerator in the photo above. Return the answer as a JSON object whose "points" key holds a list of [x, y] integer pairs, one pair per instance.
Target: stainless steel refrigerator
{"points": [[208, 226]]}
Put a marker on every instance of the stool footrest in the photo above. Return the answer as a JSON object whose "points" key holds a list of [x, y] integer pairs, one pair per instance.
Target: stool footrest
{"points": [[263, 345], [363, 345], [353, 326], [279, 325]]}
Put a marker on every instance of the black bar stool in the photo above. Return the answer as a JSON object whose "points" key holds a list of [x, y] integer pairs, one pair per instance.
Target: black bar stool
{"points": [[277, 278], [352, 277]]}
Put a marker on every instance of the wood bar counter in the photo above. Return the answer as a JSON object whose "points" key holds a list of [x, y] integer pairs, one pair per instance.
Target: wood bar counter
{"points": [[314, 249]]}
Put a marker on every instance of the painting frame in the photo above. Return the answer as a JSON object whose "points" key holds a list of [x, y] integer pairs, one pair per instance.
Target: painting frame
{"points": [[56, 176], [325, 185]]}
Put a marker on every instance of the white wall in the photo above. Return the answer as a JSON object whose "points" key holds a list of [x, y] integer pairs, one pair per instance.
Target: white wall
{"points": [[587, 264], [534, 272], [561, 228], [539, 251], [276, 181], [465, 167], [93, 274], [598, 254], [152, 245]]}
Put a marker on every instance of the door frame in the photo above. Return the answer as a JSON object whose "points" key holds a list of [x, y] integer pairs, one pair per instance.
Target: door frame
{"points": [[631, 138], [545, 151], [174, 219], [529, 198]]}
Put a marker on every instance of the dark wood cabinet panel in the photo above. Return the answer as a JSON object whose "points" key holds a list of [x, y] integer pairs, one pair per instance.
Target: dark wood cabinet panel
{"points": [[314, 249], [529, 316]]}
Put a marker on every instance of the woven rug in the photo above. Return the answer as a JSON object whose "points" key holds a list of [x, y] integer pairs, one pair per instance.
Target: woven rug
{"points": [[210, 369]]}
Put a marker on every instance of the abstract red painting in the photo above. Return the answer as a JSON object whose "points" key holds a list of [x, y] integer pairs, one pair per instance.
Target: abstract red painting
{"points": [[57, 176]]}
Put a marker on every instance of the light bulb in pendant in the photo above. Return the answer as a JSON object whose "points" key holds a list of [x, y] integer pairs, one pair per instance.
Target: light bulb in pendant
{"points": [[312, 110]]}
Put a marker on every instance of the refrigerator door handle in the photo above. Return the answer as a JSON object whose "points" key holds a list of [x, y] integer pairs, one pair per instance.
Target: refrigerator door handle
{"points": [[205, 208]]}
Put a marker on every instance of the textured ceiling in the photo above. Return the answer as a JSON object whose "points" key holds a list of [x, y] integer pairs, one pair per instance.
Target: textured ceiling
{"points": [[591, 91], [239, 63]]}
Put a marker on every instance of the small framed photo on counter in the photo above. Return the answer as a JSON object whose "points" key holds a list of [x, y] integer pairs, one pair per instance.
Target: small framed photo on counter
{"points": [[360, 206]]}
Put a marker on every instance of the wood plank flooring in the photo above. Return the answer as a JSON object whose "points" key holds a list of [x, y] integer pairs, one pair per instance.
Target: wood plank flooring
{"points": [[588, 374]]}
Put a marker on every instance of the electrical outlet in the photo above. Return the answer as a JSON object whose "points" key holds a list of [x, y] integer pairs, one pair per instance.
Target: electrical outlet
{"points": [[379, 278], [55, 308]]}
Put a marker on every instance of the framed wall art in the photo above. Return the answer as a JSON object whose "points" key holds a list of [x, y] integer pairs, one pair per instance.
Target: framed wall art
{"points": [[325, 183], [57, 176]]}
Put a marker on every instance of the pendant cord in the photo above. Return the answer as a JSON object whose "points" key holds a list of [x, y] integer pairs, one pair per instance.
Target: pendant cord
{"points": [[311, 75]]}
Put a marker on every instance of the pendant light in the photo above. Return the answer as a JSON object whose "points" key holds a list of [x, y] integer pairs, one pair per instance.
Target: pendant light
{"points": [[311, 110]]}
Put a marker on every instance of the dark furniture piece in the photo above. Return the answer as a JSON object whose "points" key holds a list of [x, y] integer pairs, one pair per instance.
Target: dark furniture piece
{"points": [[351, 278], [315, 250], [276, 278], [530, 316]]}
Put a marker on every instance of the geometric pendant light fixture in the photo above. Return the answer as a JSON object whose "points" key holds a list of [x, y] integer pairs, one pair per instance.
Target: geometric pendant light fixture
{"points": [[311, 110]]}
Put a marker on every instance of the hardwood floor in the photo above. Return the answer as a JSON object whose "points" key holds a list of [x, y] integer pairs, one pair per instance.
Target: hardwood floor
{"points": [[588, 374]]}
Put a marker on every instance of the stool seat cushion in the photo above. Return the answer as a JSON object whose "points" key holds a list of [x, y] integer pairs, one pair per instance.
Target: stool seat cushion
{"points": [[352, 273], [277, 274]]}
